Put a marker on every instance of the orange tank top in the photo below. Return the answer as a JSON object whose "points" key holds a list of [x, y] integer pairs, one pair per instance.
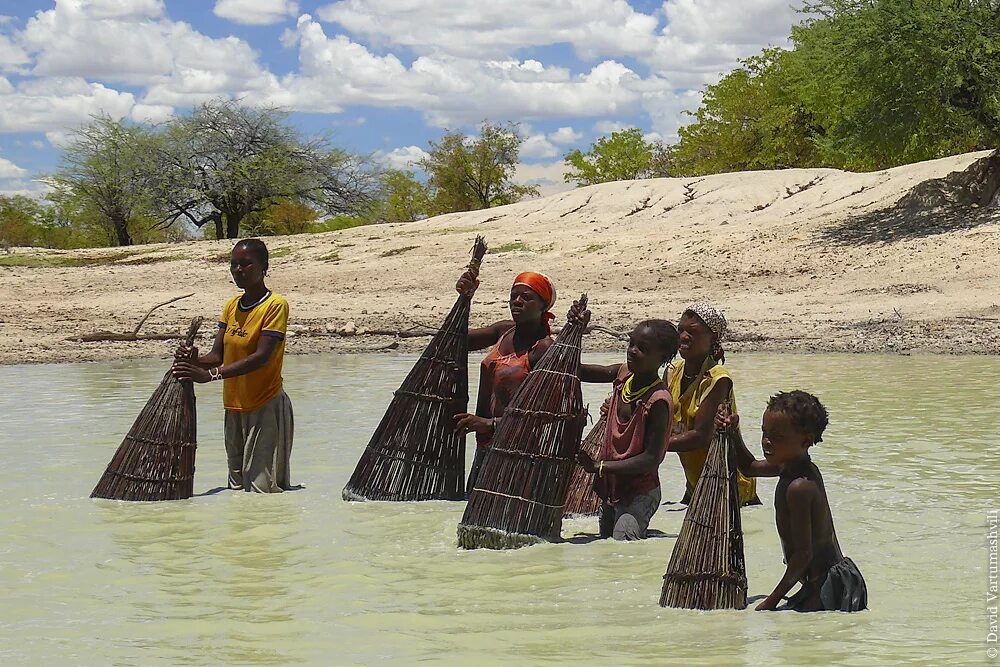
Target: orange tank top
{"points": [[501, 375]]}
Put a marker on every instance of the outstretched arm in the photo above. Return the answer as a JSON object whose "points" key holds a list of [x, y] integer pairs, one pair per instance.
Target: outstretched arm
{"points": [[745, 460], [598, 374], [800, 496], [701, 435]]}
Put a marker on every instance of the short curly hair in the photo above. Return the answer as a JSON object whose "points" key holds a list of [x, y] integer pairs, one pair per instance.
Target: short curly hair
{"points": [[804, 409]]}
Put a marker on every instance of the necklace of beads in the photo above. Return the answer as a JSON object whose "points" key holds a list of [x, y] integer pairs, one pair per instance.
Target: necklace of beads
{"points": [[254, 305], [629, 395]]}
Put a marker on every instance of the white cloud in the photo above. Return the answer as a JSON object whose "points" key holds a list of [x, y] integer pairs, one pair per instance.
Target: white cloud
{"points": [[256, 12], [116, 9], [29, 188], [702, 40], [537, 146], [609, 126], [10, 170], [50, 104], [152, 113], [119, 41], [476, 29], [547, 177], [565, 135], [335, 72], [11, 54], [404, 157]]}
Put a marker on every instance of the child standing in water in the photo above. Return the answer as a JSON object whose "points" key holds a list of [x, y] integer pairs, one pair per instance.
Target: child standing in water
{"points": [[793, 422], [634, 445]]}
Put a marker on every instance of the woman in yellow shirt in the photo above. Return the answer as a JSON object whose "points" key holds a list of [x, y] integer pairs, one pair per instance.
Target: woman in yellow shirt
{"points": [[247, 355], [699, 384]]}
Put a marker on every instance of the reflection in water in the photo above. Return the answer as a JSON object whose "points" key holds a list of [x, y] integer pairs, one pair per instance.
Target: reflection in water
{"points": [[304, 578]]}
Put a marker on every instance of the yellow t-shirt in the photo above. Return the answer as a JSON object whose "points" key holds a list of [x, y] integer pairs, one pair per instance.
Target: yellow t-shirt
{"points": [[246, 393], [686, 407]]}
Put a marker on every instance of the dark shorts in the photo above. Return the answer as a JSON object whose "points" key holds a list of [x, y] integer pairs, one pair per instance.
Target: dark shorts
{"points": [[844, 588], [629, 521]]}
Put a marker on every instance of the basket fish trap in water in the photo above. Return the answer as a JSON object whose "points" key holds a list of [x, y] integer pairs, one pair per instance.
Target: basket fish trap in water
{"points": [[707, 569], [521, 489], [415, 453], [581, 499], [155, 461]]}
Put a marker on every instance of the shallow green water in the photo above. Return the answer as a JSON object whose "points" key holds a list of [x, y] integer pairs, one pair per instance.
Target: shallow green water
{"points": [[910, 459]]}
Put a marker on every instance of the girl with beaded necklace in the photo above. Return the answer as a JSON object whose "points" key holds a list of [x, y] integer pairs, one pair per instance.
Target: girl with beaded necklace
{"points": [[639, 414]]}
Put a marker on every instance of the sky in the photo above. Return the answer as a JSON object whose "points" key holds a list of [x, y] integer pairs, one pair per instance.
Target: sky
{"points": [[381, 77]]}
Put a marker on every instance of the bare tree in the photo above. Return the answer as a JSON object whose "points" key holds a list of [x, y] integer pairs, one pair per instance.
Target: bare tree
{"points": [[227, 160]]}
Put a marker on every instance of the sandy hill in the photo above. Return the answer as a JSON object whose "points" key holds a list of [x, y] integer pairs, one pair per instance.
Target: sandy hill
{"points": [[801, 259]]}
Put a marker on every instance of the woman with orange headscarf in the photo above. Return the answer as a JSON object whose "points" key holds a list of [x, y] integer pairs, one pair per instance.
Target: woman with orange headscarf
{"points": [[518, 345]]}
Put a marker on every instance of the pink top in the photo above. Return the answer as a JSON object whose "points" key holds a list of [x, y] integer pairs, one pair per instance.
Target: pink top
{"points": [[625, 440]]}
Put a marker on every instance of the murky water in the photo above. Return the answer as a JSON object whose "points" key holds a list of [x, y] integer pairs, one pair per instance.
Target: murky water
{"points": [[910, 458]]}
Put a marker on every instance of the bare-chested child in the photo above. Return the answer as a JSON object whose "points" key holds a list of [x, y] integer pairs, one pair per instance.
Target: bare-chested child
{"points": [[793, 422]]}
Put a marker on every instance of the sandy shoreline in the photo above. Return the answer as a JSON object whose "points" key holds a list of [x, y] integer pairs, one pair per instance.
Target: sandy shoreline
{"points": [[897, 261]]}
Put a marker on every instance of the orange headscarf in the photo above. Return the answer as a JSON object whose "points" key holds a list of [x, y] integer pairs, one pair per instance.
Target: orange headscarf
{"points": [[542, 285]]}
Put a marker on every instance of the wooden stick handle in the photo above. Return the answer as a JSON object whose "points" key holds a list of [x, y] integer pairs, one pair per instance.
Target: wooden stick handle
{"points": [[478, 252], [193, 331]]}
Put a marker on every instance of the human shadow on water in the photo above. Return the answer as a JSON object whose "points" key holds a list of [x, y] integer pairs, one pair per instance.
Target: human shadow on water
{"points": [[680, 506], [220, 489], [587, 538]]}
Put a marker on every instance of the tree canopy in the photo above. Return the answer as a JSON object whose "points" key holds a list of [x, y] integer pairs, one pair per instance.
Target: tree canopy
{"points": [[625, 155], [106, 167], [868, 84], [468, 173], [226, 161]]}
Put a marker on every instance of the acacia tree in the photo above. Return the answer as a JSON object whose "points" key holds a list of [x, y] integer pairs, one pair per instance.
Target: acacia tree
{"points": [[105, 166], [624, 156], [226, 161], [897, 81], [750, 119], [469, 173]]}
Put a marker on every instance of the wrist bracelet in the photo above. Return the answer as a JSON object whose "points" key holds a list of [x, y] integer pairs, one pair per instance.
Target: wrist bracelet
{"points": [[600, 469]]}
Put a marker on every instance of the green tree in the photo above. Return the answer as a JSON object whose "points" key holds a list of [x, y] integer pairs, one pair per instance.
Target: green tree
{"points": [[470, 173], [19, 221], [105, 165], [226, 161], [898, 81], [624, 156], [751, 119], [287, 216], [405, 199]]}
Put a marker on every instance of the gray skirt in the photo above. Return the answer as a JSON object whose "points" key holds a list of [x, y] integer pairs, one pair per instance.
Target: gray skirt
{"points": [[259, 446]]}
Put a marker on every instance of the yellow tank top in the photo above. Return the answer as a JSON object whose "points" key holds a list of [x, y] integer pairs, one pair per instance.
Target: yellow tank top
{"points": [[686, 407]]}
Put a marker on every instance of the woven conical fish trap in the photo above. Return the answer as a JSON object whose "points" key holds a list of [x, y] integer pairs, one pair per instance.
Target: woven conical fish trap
{"points": [[521, 489], [707, 569], [156, 459], [415, 453], [581, 499]]}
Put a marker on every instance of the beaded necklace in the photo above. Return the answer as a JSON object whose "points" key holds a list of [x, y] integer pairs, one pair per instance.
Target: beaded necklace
{"points": [[630, 396]]}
